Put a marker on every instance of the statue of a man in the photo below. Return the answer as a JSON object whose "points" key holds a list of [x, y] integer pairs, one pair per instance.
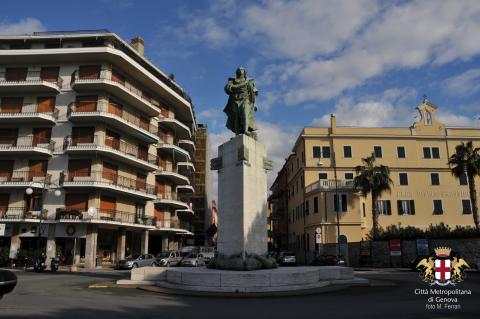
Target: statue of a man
{"points": [[241, 104]]}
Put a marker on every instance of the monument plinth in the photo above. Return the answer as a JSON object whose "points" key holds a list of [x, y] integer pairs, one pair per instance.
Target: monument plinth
{"points": [[242, 196]]}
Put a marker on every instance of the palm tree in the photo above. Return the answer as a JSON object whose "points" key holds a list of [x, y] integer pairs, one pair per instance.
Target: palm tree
{"points": [[466, 162], [374, 179]]}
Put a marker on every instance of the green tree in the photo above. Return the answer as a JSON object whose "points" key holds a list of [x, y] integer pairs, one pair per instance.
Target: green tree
{"points": [[466, 162], [372, 179]]}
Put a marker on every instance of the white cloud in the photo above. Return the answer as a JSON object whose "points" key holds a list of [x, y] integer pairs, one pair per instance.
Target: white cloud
{"points": [[466, 83], [393, 107], [23, 26], [316, 50], [451, 119]]}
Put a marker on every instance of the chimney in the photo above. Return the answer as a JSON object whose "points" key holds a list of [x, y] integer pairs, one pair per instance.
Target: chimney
{"points": [[138, 44], [333, 124]]}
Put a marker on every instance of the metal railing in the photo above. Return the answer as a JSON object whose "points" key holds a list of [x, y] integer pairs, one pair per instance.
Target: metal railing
{"points": [[118, 145], [7, 142], [105, 74], [32, 110], [329, 185], [21, 213], [160, 195], [107, 178], [24, 176], [105, 215], [28, 77], [122, 114]]}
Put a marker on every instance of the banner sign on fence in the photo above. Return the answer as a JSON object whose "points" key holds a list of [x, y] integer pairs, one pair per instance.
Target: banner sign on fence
{"points": [[395, 247], [422, 247], [365, 248]]}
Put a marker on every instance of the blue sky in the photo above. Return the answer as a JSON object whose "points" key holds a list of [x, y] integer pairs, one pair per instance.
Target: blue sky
{"points": [[369, 62]]}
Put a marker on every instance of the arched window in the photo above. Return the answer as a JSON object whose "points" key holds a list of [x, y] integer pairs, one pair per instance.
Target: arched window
{"points": [[428, 118]]}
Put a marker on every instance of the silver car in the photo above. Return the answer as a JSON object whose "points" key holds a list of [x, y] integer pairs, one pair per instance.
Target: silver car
{"points": [[169, 258], [137, 261], [193, 260]]}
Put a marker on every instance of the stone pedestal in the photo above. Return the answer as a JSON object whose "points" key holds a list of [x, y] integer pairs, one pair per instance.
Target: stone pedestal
{"points": [[242, 196]]}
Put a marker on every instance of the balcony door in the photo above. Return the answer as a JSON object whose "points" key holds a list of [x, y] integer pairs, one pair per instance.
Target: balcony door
{"points": [[144, 123], [112, 139], [117, 77], [89, 72], [78, 168], [37, 168], [50, 74], [45, 104], [115, 108], [76, 202], [33, 202], [86, 103], [141, 182], [110, 172], [6, 170], [9, 136], [143, 152], [159, 187], [108, 206], [41, 135], [82, 135], [16, 74], [11, 105], [4, 200]]}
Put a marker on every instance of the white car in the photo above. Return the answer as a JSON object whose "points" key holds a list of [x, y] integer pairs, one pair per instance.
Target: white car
{"points": [[169, 258], [193, 260]]}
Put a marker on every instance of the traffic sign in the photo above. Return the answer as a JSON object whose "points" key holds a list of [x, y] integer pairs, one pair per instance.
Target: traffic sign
{"points": [[318, 230], [318, 239]]}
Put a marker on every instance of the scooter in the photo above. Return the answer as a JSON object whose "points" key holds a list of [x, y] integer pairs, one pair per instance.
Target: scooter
{"points": [[54, 264], [39, 264]]}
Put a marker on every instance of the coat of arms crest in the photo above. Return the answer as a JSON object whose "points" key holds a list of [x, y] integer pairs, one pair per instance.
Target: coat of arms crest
{"points": [[442, 269]]}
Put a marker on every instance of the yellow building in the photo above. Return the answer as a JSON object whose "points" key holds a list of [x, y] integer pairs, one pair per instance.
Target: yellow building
{"points": [[424, 191]]}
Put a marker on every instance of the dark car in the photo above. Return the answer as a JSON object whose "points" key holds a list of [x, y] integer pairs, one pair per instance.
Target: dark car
{"points": [[8, 281], [287, 258], [328, 260]]}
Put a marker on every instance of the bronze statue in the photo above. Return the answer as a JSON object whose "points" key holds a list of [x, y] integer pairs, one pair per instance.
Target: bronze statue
{"points": [[241, 104]]}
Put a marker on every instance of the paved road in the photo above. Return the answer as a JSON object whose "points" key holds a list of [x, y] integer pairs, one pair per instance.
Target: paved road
{"points": [[67, 296]]}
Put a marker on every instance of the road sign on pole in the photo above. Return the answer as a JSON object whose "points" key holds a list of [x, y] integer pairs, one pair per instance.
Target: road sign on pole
{"points": [[318, 238], [318, 230]]}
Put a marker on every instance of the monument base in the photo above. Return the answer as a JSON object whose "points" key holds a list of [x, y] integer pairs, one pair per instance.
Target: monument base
{"points": [[242, 197], [281, 281]]}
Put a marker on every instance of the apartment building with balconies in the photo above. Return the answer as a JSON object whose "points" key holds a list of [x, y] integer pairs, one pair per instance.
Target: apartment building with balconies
{"points": [[95, 148], [317, 179]]}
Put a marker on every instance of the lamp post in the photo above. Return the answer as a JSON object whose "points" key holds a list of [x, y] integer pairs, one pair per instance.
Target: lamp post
{"points": [[57, 193]]}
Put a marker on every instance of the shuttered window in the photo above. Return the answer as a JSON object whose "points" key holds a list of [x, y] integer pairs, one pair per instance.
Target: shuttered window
{"points": [[108, 205], [4, 201], [89, 72], [79, 168], [76, 202], [8, 136], [141, 181], [6, 169], [86, 103], [16, 74], [41, 135], [45, 104], [112, 139], [110, 172], [11, 105], [115, 108], [82, 135], [37, 168], [50, 74], [117, 77]]}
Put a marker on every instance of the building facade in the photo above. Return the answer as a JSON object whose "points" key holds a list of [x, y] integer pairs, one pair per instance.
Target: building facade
{"points": [[278, 205], [321, 170], [199, 197], [95, 148]]}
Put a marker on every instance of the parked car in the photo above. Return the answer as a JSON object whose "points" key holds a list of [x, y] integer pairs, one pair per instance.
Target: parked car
{"points": [[137, 261], [287, 258], [328, 260], [8, 281], [207, 253], [193, 260], [169, 258]]}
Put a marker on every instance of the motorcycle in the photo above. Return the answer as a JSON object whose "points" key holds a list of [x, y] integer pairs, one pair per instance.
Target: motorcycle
{"points": [[54, 264], [39, 264]]}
